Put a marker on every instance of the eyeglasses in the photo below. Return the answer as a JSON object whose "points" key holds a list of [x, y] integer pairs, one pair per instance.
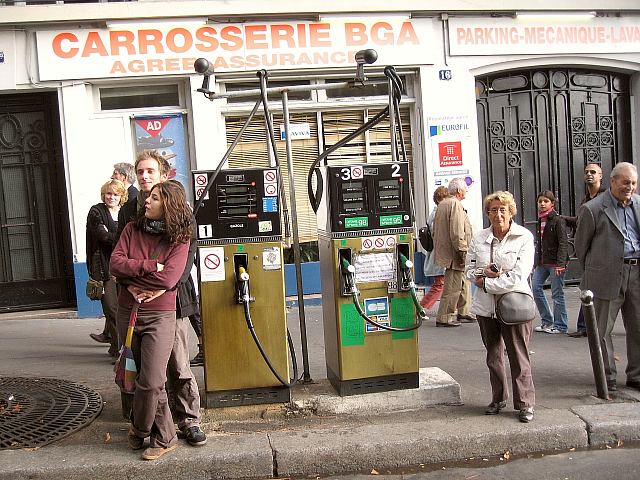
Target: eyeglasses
{"points": [[592, 172], [495, 211]]}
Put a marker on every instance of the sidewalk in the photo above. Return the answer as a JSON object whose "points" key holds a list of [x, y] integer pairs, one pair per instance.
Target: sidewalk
{"points": [[269, 440]]}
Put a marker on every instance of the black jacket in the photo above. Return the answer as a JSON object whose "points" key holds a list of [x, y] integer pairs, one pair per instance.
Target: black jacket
{"points": [[100, 240], [552, 248]]}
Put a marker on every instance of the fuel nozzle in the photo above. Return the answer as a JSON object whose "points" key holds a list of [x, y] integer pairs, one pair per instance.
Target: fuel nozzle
{"points": [[407, 283], [406, 278], [242, 282], [348, 275]]}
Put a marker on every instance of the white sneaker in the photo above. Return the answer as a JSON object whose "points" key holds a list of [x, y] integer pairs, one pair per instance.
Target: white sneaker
{"points": [[541, 328], [552, 330]]}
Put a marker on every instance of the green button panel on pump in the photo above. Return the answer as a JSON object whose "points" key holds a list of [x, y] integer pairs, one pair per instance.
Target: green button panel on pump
{"points": [[356, 222], [389, 220]]}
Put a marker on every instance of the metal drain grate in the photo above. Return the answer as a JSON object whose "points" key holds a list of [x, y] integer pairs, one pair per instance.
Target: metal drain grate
{"points": [[37, 411]]}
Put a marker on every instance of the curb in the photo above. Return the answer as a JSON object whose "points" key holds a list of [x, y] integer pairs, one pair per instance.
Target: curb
{"points": [[338, 449]]}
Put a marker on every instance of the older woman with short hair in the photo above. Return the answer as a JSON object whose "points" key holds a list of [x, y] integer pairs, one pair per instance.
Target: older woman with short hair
{"points": [[500, 260]]}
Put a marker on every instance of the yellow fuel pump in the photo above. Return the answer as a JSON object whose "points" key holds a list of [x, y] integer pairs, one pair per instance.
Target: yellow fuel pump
{"points": [[370, 307], [242, 288]]}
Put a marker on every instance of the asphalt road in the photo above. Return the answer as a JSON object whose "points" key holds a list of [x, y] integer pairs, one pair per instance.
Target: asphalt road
{"points": [[604, 464]]}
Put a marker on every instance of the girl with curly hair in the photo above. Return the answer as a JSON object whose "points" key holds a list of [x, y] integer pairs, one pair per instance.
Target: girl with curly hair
{"points": [[148, 261]]}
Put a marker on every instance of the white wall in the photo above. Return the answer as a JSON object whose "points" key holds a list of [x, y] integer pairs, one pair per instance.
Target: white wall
{"points": [[93, 143], [455, 99]]}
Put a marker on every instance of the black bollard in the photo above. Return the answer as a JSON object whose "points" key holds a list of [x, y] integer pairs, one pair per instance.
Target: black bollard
{"points": [[597, 363]]}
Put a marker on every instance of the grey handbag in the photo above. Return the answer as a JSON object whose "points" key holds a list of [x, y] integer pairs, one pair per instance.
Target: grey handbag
{"points": [[513, 308]]}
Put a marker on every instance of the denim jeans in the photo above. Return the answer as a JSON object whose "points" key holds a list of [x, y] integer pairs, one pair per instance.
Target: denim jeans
{"points": [[559, 319]]}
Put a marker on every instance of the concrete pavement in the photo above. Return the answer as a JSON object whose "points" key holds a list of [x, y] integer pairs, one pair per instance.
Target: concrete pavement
{"points": [[319, 433]]}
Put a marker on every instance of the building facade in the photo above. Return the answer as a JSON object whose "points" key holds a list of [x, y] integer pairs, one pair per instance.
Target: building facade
{"points": [[506, 99]]}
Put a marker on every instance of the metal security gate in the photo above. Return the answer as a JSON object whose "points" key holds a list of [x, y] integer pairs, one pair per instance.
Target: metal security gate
{"points": [[35, 254], [539, 128]]}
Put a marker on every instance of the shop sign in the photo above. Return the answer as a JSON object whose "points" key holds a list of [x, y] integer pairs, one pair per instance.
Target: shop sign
{"points": [[166, 135], [172, 49], [299, 131], [508, 36]]}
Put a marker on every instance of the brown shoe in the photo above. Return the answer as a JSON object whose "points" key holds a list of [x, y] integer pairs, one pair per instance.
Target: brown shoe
{"points": [[154, 453], [452, 323], [100, 337], [135, 442]]}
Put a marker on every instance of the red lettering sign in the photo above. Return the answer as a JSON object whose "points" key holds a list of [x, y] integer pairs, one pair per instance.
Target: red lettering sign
{"points": [[450, 154], [153, 126]]}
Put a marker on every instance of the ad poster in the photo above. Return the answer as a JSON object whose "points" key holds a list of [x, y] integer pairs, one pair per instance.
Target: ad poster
{"points": [[166, 135], [450, 137]]}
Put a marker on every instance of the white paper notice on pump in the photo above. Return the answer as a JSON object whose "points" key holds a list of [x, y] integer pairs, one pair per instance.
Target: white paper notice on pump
{"points": [[271, 259], [374, 267], [212, 264]]}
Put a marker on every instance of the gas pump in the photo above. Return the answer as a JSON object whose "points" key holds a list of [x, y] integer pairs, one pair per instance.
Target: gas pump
{"points": [[242, 288], [365, 240]]}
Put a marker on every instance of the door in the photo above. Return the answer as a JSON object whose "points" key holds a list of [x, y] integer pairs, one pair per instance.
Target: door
{"points": [[539, 128], [35, 254]]}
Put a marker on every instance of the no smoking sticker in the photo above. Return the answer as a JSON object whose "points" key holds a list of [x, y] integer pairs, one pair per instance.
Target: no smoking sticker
{"points": [[270, 176], [201, 179], [212, 264], [199, 192]]}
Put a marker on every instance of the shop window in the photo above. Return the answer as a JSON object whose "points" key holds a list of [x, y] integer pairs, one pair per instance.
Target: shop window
{"points": [[128, 98]]}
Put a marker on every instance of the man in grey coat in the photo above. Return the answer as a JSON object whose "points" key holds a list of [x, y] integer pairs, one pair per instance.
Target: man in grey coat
{"points": [[607, 244]]}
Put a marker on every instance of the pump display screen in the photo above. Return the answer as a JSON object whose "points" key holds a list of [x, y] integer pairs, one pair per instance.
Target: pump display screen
{"points": [[366, 197], [242, 205], [232, 189], [389, 194], [354, 197], [237, 200]]}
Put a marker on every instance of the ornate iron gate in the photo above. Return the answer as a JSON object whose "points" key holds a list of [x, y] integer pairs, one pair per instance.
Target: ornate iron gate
{"points": [[35, 259], [539, 128]]}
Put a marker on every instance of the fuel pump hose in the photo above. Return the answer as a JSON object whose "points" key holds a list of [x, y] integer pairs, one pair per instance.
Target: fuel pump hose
{"points": [[244, 286], [406, 265], [348, 271]]}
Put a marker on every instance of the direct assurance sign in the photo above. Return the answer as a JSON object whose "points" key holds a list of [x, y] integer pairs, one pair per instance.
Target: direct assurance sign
{"points": [[166, 50]]}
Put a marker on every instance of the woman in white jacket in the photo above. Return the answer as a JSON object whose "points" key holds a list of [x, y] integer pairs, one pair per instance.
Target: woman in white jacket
{"points": [[500, 260]]}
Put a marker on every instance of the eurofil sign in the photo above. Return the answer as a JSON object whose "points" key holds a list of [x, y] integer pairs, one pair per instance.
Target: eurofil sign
{"points": [[172, 49]]}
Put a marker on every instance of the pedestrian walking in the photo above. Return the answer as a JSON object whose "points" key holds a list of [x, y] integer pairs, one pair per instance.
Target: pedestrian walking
{"points": [[431, 269], [451, 237]]}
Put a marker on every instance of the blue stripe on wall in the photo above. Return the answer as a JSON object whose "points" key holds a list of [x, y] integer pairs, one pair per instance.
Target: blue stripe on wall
{"points": [[86, 307]]}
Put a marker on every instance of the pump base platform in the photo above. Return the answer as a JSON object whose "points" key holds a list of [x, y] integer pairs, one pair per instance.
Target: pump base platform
{"points": [[437, 387], [248, 396], [383, 383]]}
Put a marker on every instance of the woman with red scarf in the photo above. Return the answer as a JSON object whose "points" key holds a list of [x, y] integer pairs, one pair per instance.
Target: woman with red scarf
{"points": [[550, 262]]}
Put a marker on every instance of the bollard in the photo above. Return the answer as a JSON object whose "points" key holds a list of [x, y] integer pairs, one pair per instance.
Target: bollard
{"points": [[597, 363]]}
